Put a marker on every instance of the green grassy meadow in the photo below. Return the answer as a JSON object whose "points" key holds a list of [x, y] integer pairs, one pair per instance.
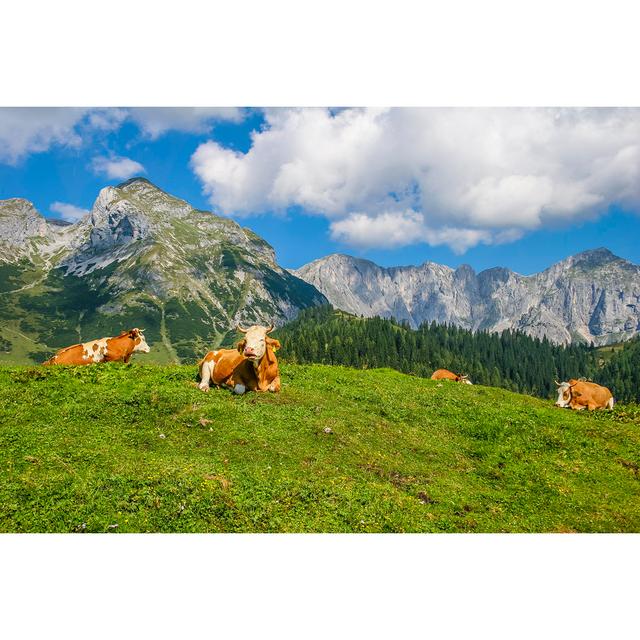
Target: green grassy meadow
{"points": [[138, 448]]}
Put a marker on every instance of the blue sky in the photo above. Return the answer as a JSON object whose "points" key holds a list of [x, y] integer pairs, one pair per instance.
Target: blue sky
{"points": [[521, 189]]}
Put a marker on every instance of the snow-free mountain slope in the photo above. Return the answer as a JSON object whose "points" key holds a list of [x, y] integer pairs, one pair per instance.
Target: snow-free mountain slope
{"points": [[592, 296], [141, 258]]}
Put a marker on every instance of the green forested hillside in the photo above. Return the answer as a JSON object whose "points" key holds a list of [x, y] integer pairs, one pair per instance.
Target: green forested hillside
{"points": [[510, 360], [135, 448], [621, 371]]}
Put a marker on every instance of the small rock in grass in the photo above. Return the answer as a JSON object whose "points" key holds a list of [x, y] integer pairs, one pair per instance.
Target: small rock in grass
{"points": [[328, 430], [162, 436], [204, 421], [113, 526]]}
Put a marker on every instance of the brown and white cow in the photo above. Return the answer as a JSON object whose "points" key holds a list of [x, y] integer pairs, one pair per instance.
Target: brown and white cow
{"points": [[580, 395], [120, 348], [445, 374], [252, 366]]}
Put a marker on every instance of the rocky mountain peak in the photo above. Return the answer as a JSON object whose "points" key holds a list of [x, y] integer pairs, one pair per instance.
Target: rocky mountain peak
{"points": [[595, 257], [21, 229], [592, 296]]}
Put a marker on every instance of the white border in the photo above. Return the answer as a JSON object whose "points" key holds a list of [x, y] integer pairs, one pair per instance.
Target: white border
{"points": [[334, 52], [314, 586]]}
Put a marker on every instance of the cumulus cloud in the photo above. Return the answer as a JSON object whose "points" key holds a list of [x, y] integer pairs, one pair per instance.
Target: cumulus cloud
{"points": [[388, 177], [154, 121], [109, 119], [116, 167], [68, 212], [394, 229], [24, 131], [32, 130]]}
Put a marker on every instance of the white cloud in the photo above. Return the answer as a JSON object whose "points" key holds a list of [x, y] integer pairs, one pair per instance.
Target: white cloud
{"points": [[453, 176], [401, 228], [68, 212], [154, 121], [24, 131], [116, 167], [389, 229], [32, 130], [106, 119]]}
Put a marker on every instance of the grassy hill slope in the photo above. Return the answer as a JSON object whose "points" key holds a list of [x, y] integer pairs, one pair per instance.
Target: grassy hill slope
{"points": [[139, 448]]}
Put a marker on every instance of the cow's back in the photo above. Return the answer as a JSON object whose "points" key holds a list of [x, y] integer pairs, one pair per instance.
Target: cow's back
{"points": [[591, 395], [443, 374], [73, 355]]}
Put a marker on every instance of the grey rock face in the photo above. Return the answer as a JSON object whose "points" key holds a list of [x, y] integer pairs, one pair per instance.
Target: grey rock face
{"points": [[593, 295]]}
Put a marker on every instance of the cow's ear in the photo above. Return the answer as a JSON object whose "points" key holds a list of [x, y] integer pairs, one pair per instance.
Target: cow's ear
{"points": [[273, 343], [241, 345]]}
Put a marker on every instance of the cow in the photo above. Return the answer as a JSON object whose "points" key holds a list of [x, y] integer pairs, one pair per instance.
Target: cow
{"points": [[251, 366], [444, 374], [117, 349], [580, 395]]}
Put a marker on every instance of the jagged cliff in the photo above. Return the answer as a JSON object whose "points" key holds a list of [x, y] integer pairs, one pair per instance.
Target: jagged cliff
{"points": [[592, 296]]}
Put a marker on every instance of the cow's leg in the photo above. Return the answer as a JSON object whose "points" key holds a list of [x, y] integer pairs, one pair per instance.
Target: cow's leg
{"points": [[206, 373], [610, 403], [274, 387]]}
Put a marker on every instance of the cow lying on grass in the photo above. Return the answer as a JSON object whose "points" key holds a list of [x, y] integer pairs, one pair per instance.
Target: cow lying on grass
{"points": [[580, 395], [252, 366], [120, 348], [444, 374]]}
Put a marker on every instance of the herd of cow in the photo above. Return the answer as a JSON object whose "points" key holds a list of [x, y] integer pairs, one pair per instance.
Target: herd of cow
{"points": [[253, 366]]}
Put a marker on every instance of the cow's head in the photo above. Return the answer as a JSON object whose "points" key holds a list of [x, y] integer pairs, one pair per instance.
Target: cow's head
{"points": [[139, 343], [255, 342], [464, 379], [564, 393]]}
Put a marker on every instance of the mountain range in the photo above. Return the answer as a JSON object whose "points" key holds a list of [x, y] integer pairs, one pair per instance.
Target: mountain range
{"points": [[593, 296], [142, 257], [145, 258]]}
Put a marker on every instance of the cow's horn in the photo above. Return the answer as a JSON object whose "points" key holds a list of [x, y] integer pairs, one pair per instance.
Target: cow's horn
{"points": [[241, 329], [558, 384], [271, 328]]}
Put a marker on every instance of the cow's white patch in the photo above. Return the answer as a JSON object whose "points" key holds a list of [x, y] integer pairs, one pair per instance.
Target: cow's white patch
{"points": [[564, 395], [95, 350], [142, 346], [239, 389], [255, 340]]}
